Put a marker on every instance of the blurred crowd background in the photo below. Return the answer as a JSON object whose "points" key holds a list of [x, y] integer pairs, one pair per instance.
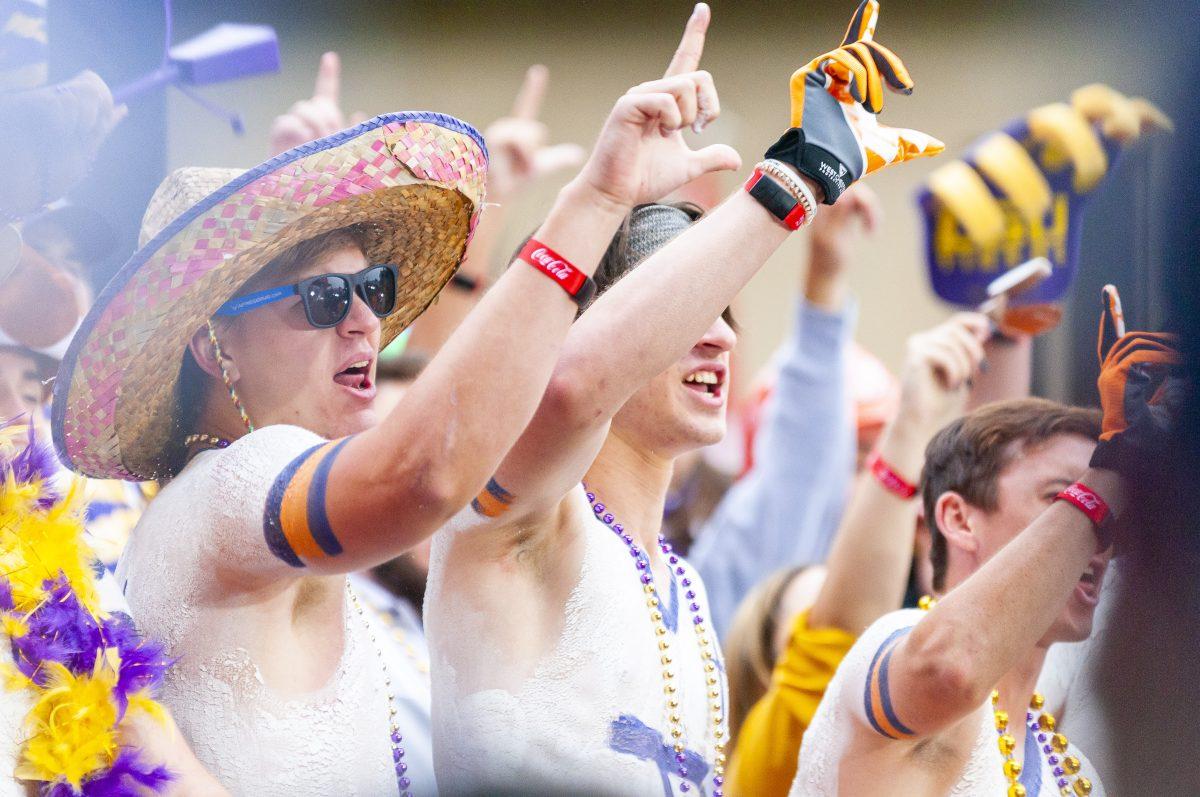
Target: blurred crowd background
{"points": [[976, 65]]}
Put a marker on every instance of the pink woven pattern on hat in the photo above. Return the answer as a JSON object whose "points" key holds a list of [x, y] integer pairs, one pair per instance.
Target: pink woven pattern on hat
{"points": [[459, 163], [397, 152]]}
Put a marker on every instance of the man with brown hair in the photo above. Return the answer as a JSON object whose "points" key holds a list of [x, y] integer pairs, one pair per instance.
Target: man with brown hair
{"points": [[969, 456], [909, 705]]}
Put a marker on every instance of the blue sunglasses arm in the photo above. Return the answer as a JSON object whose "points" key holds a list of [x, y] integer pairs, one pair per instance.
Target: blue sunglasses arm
{"points": [[252, 301]]}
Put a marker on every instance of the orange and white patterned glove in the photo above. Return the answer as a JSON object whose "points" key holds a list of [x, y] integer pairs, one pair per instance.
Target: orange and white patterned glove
{"points": [[835, 136]]}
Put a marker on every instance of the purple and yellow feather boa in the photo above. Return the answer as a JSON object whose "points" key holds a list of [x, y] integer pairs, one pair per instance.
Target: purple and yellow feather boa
{"points": [[84, 670]]}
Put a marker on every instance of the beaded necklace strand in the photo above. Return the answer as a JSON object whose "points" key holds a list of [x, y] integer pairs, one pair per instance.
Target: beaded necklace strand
{"points": [[1053, 745], [206, 441], [670, 688], [402, 780]]}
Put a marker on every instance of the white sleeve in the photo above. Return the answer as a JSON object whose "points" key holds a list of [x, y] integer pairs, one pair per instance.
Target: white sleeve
{"points": [[863, 675], [236, 486]]}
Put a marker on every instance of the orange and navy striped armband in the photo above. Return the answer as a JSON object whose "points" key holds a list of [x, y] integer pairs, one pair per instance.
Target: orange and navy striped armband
{"points": [[877, 701], [493, 500], [295, 523]]}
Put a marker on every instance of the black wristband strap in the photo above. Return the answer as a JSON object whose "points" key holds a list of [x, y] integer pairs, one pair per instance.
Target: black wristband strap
{"points": [[813, 162], [778, 201]]}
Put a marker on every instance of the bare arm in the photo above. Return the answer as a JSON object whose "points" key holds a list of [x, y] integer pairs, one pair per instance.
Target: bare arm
{"points": [[834, 234], [390, 487], [161, 742], [395, 484], [1009, 371], [785, 510], [647, 321], [868, 566], [635, 331], [946, 667]]}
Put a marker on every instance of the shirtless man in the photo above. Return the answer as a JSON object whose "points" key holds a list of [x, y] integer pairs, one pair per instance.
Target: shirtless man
{"points": [[233, 382]]}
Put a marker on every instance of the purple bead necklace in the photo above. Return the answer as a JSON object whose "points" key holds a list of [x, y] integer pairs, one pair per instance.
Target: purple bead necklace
{"points": [[402, 780], [641, 561]]}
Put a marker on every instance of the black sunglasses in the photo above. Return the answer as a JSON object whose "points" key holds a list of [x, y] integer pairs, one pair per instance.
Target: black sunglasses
{"points": [[327, 297]]}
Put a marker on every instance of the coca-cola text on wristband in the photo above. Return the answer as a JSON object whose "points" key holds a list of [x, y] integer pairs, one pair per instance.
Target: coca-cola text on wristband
{"points": [[1087, 501], [578, 285]]}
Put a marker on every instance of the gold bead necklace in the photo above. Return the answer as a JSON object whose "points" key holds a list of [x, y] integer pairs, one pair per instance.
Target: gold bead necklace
{"points": [[1053, 745], [707, 654]]}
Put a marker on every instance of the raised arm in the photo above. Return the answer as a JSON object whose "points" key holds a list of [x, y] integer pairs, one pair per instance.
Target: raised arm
{"points": [[1009, 372], [867, 569], [518, 157], [785, 510], [656, 314], [946, 666], [377, 493]]}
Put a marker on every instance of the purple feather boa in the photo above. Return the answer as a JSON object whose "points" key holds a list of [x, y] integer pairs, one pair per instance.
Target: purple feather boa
{"points": [[35, 462], [62, 630], [128, 777]]}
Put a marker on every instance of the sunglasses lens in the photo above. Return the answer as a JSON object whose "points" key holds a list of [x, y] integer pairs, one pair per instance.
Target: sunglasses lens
{"points": [[328, 300], [379, 290]]}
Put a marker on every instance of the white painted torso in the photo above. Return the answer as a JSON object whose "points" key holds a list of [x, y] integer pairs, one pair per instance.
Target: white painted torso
{"points": [[589, 716], [823, 752], [334, 740]]}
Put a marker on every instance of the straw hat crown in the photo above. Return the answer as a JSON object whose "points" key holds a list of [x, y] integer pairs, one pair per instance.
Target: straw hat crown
{"points": [[415, 180]]}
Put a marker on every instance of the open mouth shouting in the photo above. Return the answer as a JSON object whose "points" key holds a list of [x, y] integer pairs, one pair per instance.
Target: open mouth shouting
{"points": [[1088, 588], [355, 376], [707, 383]]}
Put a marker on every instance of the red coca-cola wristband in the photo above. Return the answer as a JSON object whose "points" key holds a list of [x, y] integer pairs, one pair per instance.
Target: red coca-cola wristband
{"points": [[1086, 500], [579, 286], [892, 482]]}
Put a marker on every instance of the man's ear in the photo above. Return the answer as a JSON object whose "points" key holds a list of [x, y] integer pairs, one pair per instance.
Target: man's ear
{"points": [[205, 355], [953, 516]]}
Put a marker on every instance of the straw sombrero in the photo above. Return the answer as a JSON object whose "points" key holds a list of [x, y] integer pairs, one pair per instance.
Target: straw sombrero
{"points": [[416, 178]]}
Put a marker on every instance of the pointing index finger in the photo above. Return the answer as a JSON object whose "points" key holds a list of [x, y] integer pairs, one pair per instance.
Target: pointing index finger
{"points": [[528, 103], [691, 46], [329, 77], [862, 24]]}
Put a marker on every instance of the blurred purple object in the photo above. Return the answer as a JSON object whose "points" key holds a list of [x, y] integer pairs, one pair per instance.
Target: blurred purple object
{"points": [[225, 52]]}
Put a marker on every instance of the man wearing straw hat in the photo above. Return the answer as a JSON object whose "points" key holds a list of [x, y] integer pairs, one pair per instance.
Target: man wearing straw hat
{"points": [[571, 648], [234, 356]]}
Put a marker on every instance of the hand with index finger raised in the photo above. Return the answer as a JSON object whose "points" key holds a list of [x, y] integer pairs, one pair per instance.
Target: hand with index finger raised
{"points": [[517, 143], [686, 60], [691, 45], [641, 155], [319, 116]]}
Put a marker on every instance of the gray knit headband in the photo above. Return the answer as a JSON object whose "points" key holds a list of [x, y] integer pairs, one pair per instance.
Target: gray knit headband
{"points": [[651, 227]]}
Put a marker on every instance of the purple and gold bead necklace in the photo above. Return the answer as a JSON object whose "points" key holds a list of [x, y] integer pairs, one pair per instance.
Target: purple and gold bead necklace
{"points": [[1053, 745], [670, 689], [402, 779], [1054, 748]]}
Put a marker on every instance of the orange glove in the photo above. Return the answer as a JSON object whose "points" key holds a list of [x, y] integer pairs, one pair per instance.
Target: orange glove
{"points": [[1139, 393]]}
